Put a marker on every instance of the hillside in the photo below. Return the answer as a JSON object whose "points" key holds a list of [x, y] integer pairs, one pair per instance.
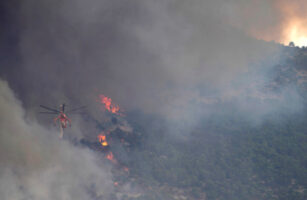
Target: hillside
{"points": [[224, 156]]}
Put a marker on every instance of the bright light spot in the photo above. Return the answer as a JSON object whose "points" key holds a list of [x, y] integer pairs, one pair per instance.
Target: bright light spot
{"points": [[297, 37], [300, 41]]}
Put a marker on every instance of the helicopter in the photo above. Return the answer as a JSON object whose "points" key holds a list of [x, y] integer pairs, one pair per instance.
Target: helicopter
{"points": [[61, 116]]}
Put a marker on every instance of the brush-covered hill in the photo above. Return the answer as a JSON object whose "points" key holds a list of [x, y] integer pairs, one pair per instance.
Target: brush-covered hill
{"points": [[225, 156]]}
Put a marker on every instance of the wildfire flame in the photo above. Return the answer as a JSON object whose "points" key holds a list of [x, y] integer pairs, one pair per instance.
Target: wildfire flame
{"points": [[108, 105], [110, 157], [113, 108], [294, 21], [126, 169], [102, 140], [282, 21], [296, 33]]}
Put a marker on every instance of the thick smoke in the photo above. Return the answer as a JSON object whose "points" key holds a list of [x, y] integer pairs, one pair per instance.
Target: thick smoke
{"points": [[182, 60], [169, 58], [35, 164]]}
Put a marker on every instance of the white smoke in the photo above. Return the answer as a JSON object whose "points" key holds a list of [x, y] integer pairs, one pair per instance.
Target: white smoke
{"points": [[36, 165]]}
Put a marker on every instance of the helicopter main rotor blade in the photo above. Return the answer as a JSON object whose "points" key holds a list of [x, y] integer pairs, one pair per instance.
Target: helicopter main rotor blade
{"points": [[77, 113], [50, 109], [75, 109], [53, 113]]}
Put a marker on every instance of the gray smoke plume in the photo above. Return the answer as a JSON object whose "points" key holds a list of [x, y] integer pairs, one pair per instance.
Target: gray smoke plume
{"points": [[168, 58], [154, 56], [178, 59], [35, 164]]}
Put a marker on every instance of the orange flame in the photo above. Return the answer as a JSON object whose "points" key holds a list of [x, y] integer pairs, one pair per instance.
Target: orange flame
{"points": [[110, 157], [102, 140], [111, 107], [282, 21], [126, 169], [293, 21]]}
